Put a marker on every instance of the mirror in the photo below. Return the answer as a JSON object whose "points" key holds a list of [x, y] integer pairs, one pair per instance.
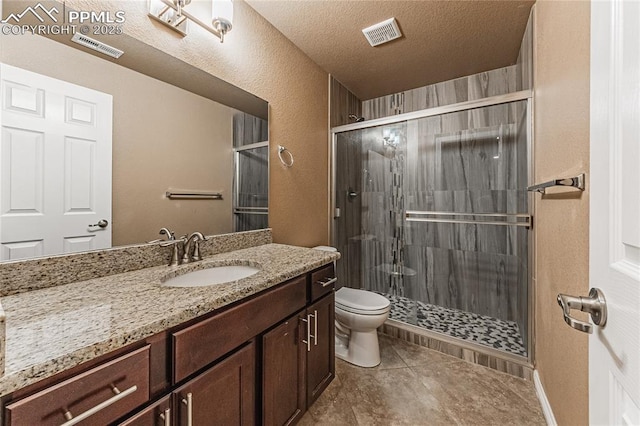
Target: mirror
{"points": [[174, 128]]}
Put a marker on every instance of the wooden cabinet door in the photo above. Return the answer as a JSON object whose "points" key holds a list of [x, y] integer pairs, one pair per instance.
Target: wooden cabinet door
{"points": [[321, 357], [283, 372], [157, 414], [224, 394]]}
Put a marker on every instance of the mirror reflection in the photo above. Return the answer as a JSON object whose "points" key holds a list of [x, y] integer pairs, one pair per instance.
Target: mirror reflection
{"points": [[90, 150]]}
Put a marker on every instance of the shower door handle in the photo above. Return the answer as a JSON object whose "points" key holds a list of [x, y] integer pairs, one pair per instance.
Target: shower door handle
{"points": [[595, 304]]}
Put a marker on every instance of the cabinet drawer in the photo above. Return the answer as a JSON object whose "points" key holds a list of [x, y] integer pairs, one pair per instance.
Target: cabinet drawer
{"points": [[200, 344], [123, 382], [322, 282]]}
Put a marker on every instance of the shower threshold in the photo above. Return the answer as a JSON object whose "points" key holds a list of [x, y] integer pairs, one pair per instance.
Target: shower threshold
{"points": [[488, 331]]}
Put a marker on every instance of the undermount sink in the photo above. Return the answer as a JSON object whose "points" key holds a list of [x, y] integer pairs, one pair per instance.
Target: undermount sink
{"points": [[211, 276]]}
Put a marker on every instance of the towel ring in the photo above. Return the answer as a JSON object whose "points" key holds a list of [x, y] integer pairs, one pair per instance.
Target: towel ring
{"points": [[282, 149]]}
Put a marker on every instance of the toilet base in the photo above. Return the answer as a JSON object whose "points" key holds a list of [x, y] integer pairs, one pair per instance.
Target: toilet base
{"points": [[362, 348]]}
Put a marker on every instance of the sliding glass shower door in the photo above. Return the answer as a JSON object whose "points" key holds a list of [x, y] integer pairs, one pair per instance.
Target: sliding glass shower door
{"points": [[251, 173], [433, 213]]}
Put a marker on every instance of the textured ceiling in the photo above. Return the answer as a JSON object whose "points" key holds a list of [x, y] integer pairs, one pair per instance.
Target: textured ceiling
{"points": [[441, 39]]}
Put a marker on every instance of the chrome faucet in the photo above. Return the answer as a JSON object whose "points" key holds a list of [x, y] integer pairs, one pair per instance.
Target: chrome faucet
{"points": [[169, 234], [163, 231], [196, 237]]}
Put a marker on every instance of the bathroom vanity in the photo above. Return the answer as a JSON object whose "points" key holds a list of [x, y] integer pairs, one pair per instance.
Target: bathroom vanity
{"points": [[256, 351]]}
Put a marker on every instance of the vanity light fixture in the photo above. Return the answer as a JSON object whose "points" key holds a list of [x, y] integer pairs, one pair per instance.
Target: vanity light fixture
{"points": [[222, 12], [175, 14]]}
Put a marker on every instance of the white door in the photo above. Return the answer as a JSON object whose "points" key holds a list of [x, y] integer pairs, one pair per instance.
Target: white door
{"points": [[614, 350], [55, 166]]}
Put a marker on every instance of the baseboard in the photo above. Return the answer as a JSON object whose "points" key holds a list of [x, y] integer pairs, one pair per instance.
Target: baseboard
{"points": [[542, 397]]}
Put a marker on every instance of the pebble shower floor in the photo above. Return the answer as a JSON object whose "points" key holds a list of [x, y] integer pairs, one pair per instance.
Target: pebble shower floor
{"points": [[485, 330]]}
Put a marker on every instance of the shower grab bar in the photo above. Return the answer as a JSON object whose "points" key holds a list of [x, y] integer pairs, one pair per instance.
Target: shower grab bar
{"points": [[517, 219], [574, 182]]}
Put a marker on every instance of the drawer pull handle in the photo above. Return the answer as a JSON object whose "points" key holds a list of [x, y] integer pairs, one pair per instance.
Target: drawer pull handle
{"points": [[90, 412], [188, 401], [166, 417], [327, 281]]}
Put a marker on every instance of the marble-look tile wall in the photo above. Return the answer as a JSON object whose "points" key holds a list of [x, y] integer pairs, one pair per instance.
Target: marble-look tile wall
{"points": [[342, 103], [248, 129], [347, 224], [477, 86]]}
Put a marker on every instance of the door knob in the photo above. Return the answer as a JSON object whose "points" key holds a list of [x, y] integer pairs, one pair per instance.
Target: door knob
{"points": [[595, 304], [101, 223]]}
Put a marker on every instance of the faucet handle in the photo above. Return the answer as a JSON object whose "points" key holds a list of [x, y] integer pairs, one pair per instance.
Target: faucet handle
{"points": [[175, 250], [173, 242], [196, 249]]}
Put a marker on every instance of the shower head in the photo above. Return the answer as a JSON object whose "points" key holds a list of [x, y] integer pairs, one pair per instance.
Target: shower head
{"points": [[356, 118]]}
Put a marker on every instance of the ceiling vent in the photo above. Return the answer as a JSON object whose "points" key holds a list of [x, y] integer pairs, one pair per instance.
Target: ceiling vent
{"points": [[382, 32], [97, 45]]}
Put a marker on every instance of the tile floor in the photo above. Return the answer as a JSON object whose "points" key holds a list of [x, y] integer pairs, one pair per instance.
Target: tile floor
{"points": [[482, 329], [414, 385]]}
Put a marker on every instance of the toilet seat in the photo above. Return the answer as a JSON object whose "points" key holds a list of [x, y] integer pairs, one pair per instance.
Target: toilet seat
{"points": [[361, 302]]}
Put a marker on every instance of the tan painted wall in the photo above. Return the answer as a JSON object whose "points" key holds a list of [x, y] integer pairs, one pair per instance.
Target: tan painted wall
{"points": [[258, 58], [561, 81], [163, 137]]}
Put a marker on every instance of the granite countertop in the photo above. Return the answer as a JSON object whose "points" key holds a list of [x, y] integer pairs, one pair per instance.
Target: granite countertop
{"points": [[53, 329]]}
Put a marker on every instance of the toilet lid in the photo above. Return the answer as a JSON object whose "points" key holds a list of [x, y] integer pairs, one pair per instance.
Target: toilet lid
{"points": [[354, 300]]}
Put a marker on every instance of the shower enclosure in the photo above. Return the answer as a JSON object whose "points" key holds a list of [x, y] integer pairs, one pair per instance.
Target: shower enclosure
{"points": [[251, 172], [431, 210]]}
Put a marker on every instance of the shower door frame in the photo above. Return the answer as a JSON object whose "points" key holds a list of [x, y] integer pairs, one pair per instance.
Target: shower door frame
{"points": [[523, 95], [235, 208]]}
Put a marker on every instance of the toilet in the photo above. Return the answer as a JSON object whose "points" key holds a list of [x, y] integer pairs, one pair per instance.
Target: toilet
{"points": [[359, 313]]}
